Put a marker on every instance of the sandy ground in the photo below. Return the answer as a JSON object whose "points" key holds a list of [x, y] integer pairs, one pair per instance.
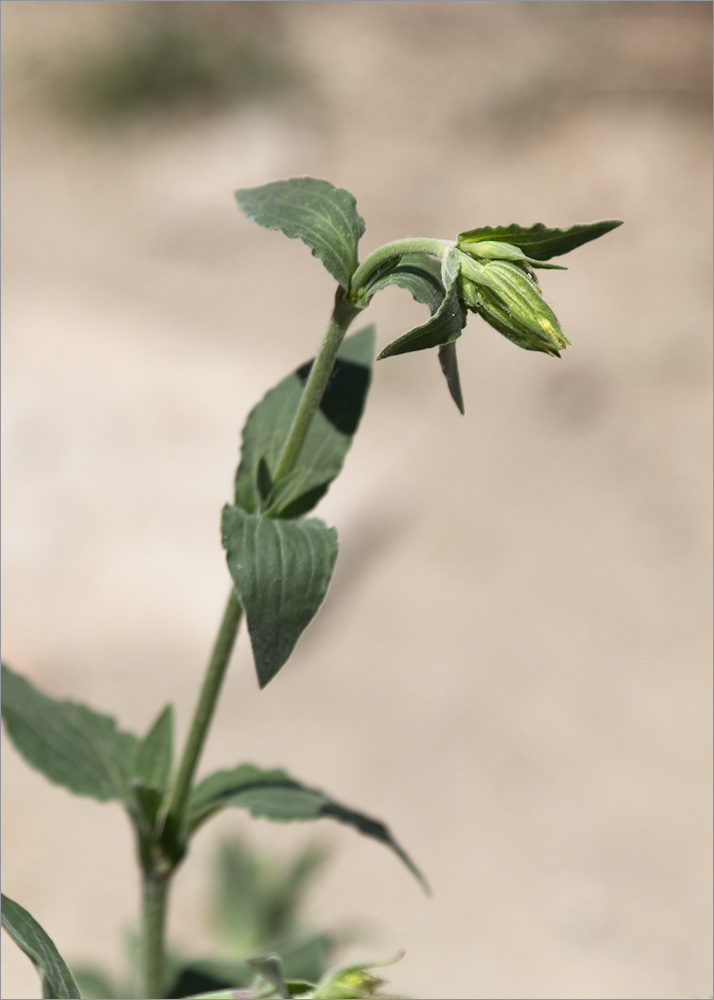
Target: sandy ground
{"points": [[513, 665]]}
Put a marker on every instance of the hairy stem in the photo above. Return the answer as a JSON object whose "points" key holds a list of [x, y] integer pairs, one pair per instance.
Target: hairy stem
{"points": [[155, 887]]}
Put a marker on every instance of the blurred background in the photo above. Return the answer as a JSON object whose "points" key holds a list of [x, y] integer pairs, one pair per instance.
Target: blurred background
{"points": [[512, 667]]}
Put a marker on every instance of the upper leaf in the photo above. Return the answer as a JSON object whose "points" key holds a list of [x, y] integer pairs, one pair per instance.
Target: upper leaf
{"points": [[69, 743], [446, 323], [327, 441], [274, 795], [315, 211], [281, 571], [540, 241], [57, 981]]}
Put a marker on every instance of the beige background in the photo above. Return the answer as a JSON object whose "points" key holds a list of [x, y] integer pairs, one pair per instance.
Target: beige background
{"points": [[513, 665]]}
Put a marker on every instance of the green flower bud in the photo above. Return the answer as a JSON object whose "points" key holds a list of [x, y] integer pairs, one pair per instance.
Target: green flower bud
{"points": [[352, 982], [507, 296], [354, 985]]}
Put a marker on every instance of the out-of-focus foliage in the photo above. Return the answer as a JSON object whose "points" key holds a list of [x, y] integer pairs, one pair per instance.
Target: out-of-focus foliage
{"points": [[255, 907], [177, 57]]}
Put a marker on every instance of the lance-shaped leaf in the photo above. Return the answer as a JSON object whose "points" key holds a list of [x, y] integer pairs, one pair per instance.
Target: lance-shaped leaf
{"points": [[281, 571], [421, 275], [327, 441], [539, 241], [444, 326], [57, 980], [154, 753], [150, 775], [274, 795], [69, 743], [450, 368], [314, 211]]}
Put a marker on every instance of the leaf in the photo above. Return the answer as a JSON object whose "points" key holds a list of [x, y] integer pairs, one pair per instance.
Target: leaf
{"points": [[444, 326], [270, 967], [69, 743], [540, 241], [450, 368], [327, 442], [274, 795], [418, 273], [281, 571], [154, 753], [57, 980], [421, 275], [148, 803], [94, 983], [315, 211]]}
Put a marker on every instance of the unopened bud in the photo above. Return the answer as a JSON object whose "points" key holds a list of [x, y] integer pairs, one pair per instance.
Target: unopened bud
{"points": [[508, 298]]}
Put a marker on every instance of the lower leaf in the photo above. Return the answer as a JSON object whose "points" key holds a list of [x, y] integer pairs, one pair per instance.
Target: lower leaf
{"points": [[274, 795]]}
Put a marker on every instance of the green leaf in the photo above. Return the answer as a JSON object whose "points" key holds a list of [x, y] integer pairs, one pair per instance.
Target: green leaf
{"points": [[256, 903], [274, 795], [540, 241], [450, 368], [155, 751], [70, 744], [57, 980], [421, 275], [281, 571], [270, 967], [417, 272], [315, 211], [327, 442], [95, 983], [444, 326], [148, 803]]}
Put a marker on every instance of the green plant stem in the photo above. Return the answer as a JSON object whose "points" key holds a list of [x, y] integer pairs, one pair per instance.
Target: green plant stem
{"points": [[202, 715], [390, 251], [342, 315], [173, 833], [154, 895]]}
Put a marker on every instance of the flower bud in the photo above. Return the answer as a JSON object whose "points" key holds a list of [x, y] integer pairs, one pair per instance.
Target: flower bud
{"points": [[508, 297]]}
